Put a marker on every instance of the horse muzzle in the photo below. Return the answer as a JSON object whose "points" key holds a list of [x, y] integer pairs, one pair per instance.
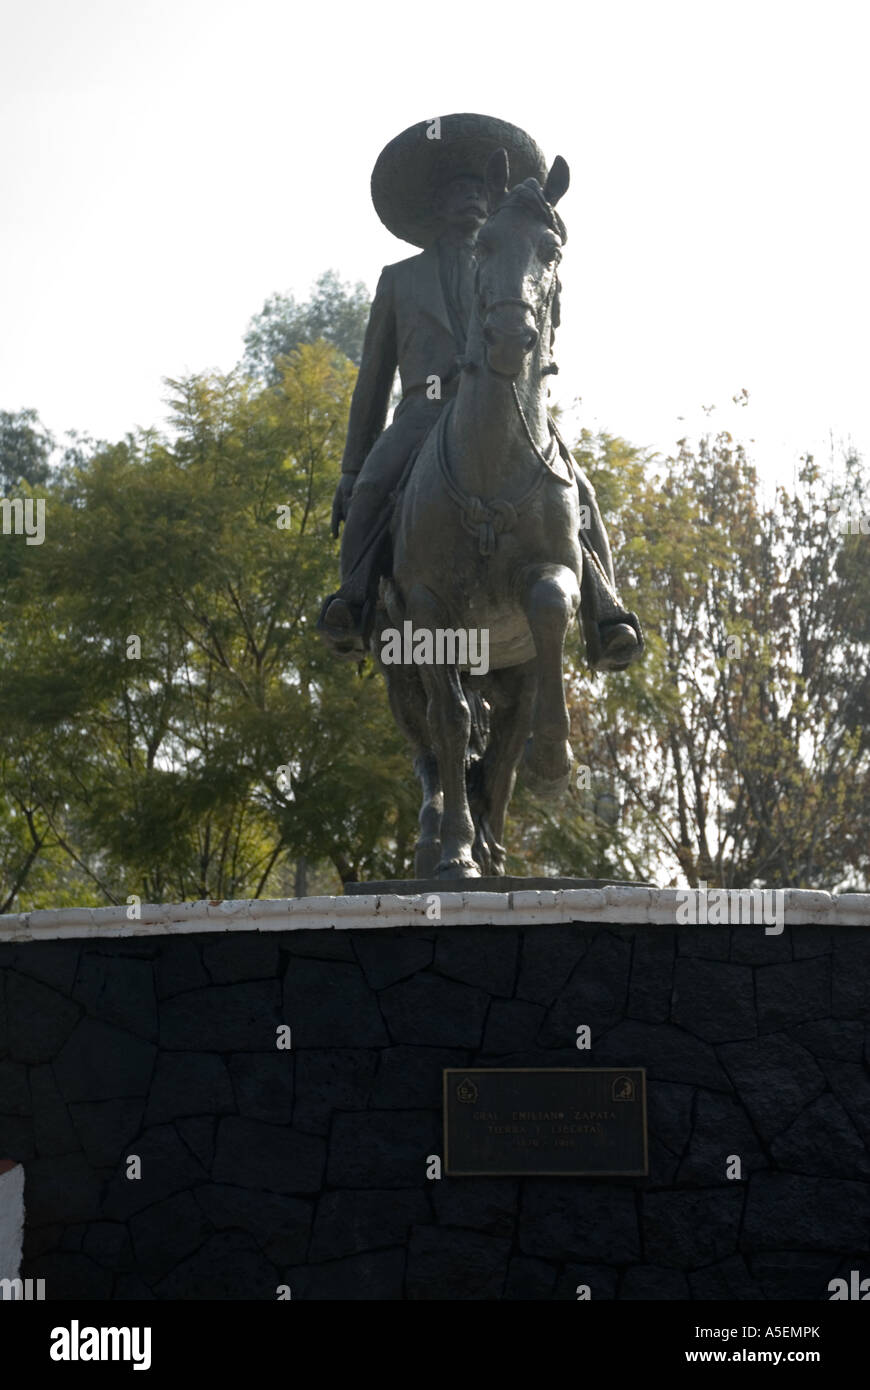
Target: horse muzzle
{"points": [[509, 335]]}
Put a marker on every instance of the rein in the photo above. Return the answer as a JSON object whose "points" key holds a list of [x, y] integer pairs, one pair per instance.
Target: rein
{"points": [[490, 519]]}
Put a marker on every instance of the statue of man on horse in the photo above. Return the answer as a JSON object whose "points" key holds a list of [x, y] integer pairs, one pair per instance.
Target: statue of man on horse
{"points": [[428, 189], [469, 509]]}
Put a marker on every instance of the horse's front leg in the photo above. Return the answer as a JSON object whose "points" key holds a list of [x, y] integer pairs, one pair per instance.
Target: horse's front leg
{"points": [[550, 600], [491, 781], [449, 720], [408, 703]]}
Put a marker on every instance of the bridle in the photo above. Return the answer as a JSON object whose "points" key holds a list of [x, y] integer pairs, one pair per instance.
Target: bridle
{"points": [[536, 203], [488, 519], [540, 317]]}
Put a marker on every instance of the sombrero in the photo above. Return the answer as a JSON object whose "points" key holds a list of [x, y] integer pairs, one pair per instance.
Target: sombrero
{"points": [[411, 167]]}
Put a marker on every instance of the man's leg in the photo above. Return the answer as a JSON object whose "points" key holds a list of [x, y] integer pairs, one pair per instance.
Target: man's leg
{"points": [[612, 634], [365, 541], [364, 532]]}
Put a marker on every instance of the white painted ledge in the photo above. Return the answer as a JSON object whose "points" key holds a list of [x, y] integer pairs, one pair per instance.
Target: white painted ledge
{"points": [[11, 1218], [623, 906]]}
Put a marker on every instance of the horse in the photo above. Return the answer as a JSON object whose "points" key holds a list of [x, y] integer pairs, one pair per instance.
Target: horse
{"points": [[485, 540]]}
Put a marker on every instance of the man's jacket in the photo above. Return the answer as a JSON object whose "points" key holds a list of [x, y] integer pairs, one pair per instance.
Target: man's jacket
{"points": [[408, 328]]}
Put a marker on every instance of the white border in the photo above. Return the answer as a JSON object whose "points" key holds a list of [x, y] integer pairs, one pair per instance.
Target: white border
{"points": [[546, 907]]}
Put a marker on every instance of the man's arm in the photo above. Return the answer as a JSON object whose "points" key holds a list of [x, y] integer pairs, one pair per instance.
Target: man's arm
{"points": [[371, 395]]}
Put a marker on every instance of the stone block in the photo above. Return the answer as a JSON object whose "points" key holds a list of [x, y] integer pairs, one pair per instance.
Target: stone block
{"points": [[250, 1153], [331, 1005], [457, 1265], [383, 1148], [431, 1011], [562, 1220]]}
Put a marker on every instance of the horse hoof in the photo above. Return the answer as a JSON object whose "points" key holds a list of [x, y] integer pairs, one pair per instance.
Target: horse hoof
{"points": [[489, 855], [458, 868], [427, 854], [546, 766]]}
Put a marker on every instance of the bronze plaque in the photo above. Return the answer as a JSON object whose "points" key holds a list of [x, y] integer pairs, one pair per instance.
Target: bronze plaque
{"points": [[545, 1122]]}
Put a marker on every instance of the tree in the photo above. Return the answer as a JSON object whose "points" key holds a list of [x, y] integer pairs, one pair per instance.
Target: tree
{"points": [[170, 724], [738, 747], [335, 311], [25, 449]]}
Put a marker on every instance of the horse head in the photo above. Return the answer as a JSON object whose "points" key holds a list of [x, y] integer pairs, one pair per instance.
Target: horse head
{"points": [[518, 252]]}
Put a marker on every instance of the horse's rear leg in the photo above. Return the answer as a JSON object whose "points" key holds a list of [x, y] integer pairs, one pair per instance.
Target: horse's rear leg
{"points": [[427, 851], [449, 721], [551, 598]]}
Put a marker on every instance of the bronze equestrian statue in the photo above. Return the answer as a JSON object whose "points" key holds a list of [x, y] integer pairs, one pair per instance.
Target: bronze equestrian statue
{"points": [[468, 513]]}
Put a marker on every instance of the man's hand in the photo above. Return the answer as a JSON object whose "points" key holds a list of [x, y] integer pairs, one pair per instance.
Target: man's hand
{"points": [[341, 501]]}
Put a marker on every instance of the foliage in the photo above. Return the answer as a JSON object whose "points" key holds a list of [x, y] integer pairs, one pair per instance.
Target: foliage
{"points": [[161, 666], [336, 311], [25, 450], [739, 746]]}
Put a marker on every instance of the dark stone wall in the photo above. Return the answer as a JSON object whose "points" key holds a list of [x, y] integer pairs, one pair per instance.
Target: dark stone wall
{"points": [[307, 1167]]}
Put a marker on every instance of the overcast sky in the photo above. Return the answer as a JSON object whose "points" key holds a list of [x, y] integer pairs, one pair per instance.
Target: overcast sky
{"points": [[167, 164]]}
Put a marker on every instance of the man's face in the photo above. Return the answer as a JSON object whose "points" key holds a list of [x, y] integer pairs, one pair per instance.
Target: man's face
{"points": [[462, 203]]}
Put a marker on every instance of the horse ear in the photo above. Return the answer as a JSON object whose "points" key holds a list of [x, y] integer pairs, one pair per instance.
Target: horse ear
{"points": [[557, 181], [496, 178]]}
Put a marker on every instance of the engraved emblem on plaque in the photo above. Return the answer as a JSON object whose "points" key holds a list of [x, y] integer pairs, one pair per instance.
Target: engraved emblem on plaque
{"points": [[623, 1088]]}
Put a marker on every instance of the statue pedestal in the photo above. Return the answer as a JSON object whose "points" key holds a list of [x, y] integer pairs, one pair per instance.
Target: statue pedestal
{"points": [[506, 883], [280, 1068]]}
